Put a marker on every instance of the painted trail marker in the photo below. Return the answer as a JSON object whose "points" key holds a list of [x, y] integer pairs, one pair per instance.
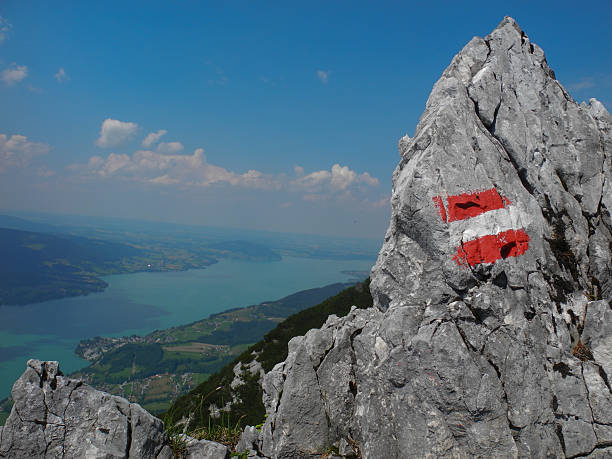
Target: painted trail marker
{"points": [[486, 225]]}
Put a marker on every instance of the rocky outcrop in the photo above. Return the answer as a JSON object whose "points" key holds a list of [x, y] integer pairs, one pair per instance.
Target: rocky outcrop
{"points": [[203, 449], [492, 332], [55, 416]]}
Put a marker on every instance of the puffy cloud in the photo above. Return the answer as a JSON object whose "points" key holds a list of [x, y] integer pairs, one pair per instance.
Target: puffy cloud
{"points": [[114, 162], [313, 181], [368, 179], [323, 75], [172, 169], [115, 132], [152, 138], [5, 27], [165, 165], [14, 74], [340, 178], [169, 147], [164, 180], [17, 151], [61, 75]]}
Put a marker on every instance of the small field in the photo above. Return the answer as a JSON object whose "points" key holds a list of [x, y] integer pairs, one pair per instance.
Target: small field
{"points": [[200, 348]]}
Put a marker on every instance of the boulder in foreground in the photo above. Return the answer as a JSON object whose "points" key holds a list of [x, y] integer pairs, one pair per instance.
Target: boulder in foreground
{"points": [[55, 416]]}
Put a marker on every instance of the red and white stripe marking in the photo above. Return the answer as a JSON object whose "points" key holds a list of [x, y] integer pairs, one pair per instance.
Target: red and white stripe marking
{"points": [[485, 226]]}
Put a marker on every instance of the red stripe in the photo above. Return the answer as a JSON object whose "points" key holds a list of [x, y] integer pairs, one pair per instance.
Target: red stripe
{"points": [[468, 205], [493, 247]]}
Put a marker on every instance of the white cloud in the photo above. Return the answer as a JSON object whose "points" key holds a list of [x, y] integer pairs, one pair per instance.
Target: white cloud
{"points": [[14, 74], [368, 179], [61, 76], [113, 163], [323, 75], [342, 177], [152, 138], [165, 180], [5, 27], [338, 179], [17, 151], [115, 132], [165, 165], [313, 181], [169, 147], [172, 169]]}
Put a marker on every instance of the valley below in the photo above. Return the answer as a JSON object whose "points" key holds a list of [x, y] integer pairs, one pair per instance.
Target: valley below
{"points": [[153, 370], [139, 345]]}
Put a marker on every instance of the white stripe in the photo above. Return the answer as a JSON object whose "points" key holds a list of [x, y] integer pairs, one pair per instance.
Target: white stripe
{"points": [[492, 222]]}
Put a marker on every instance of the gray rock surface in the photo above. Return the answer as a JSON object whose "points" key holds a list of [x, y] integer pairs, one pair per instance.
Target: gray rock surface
{"points": [[492, 331], [248, 439], [55, 416], [204, 449]]}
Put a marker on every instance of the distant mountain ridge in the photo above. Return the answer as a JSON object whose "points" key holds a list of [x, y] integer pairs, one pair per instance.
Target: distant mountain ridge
{"points": [[37, 267], [41, 266], [68, 257], [22, 224]]}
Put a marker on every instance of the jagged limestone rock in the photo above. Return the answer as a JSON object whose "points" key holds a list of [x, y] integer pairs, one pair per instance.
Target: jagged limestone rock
{"points": [[492, 330], [55, 416], [249, 436], [204, 449]]}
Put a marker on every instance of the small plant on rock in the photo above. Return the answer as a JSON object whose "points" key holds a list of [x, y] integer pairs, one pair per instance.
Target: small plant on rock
{"points": [[176, 439]]}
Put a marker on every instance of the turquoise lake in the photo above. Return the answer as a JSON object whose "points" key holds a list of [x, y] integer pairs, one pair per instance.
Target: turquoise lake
{"points": [[142, 302]]}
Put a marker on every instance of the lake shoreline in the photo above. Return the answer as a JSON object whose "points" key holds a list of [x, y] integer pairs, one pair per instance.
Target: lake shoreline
{"points": [[140, 303]]}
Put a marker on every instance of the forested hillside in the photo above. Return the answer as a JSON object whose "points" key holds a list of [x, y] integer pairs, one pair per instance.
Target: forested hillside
{"points": [[243, 402], [38, 267]]}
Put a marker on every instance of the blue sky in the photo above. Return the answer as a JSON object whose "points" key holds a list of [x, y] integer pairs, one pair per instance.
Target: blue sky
{"points": [[269, 115]]}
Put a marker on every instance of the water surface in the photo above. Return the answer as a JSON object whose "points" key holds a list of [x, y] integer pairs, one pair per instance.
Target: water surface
{"points": [[142, 302]]}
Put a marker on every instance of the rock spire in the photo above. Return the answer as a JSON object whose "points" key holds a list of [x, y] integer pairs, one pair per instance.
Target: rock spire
{"points": [[492, 331]]}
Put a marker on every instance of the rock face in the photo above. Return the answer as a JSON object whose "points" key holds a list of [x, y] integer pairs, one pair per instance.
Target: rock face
{"points": [[492, 332], [54, 416], [204, 449]]}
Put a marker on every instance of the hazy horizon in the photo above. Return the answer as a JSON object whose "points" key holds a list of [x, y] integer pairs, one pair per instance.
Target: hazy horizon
{"points": [[64, 221]]}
